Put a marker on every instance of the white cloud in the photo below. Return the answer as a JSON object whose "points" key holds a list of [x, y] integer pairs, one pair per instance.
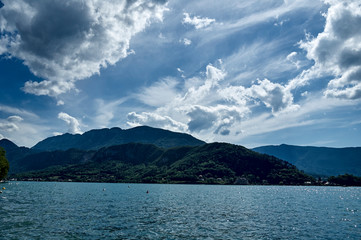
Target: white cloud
{"points": [[186, 41], [337, 51], [8, 126], [209, 106], [292, 57], [273, 95], [252, 13], [15, 119], [105, 111], [81, 38], [17, 111], [73, 123], [155, 120], [23, 128], [310, 113], [197, 21], [60, 103], [160, 93], [1, 136], [197, 107], [50, 88]]}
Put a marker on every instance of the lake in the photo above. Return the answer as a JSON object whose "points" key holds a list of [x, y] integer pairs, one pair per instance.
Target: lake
{"points": [[54, 210]]}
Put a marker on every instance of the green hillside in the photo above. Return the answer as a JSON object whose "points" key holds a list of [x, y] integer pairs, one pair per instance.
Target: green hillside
{"points": [[216, 163]]}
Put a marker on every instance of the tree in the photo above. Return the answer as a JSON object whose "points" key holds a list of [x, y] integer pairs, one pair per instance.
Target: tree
{"points": [[4, 164]]}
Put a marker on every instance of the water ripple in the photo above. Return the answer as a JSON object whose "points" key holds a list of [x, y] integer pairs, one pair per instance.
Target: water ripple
{"points": [[31, 210]]}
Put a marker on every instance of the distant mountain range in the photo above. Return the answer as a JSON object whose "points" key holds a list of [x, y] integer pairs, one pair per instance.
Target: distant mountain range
{"points": [[96, 139], [157, 155], [318, 160]]}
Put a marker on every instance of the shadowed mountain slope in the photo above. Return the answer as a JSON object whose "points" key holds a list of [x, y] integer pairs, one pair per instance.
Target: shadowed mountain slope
{"points": [[318, 160]]}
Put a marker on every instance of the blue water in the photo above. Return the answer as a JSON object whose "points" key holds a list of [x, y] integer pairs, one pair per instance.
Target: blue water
{"points": [[47, 210]]}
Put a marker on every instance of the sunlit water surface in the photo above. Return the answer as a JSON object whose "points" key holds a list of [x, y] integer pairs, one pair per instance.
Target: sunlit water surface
{"points": [[49, 210]]}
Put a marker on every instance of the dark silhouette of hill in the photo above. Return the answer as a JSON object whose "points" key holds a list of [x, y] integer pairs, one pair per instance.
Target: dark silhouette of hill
{"points": [[318, 160]]}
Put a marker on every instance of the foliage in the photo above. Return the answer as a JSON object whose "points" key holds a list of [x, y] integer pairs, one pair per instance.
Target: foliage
{"points": [[4, 164], [216, 163], [345, 180]]}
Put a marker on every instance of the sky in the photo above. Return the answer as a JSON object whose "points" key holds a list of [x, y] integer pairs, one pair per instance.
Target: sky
{"points": [[245, 72]]}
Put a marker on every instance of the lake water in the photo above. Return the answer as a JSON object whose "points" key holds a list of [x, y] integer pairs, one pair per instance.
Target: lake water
{"points": [[50, 210]]}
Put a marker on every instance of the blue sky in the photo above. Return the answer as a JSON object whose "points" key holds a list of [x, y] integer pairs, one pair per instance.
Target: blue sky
{"points": [[246, 72]]}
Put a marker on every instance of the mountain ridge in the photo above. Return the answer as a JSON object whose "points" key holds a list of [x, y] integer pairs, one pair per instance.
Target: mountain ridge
{"points": [[322, 161], [318, 160], [213, 163], [98, 138]]}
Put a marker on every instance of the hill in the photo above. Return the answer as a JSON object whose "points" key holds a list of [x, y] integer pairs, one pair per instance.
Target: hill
{"points": [[14, 153], [96, 139], [218, 163], [22, 158], [318, 160]]}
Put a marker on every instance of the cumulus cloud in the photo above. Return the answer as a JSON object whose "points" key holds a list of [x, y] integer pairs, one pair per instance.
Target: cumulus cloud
{"points": [[337, 50], [273, 95], [72, 122], [197, 107], [63, 42], [197, 21], [208, 104], [201, 118], [155, 120]]}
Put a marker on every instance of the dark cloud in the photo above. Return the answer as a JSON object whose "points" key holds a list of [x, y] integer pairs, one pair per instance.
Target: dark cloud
{"points": [[273, 95], [57, 29], [225, 132], [350, 57], [200, 119], [66, 41]]}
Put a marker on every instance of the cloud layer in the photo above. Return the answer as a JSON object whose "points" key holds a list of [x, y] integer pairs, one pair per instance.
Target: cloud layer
{"points": [[63, 42], [337, 50], [208, 104]]}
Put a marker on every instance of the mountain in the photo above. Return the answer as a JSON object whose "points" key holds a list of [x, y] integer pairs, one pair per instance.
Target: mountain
{"points": [[7, 144], [96, 139], [216, 163], [14, 153], [60, 150], [318, 160]]}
